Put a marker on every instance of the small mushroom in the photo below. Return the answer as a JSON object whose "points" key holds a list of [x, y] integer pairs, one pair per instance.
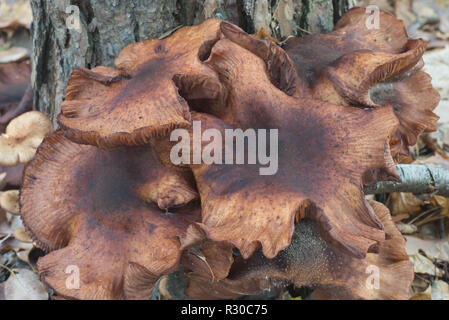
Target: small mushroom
{"points": [[9, 201], [22, 137], [385, 273], [145, 96], [21, 235], [96, 210]]}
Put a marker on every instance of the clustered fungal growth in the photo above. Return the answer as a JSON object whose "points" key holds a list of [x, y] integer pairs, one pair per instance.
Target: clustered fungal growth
{"points": [[102, 194]]}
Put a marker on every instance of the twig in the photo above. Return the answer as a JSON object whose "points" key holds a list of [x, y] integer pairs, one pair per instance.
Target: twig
{"points": [[415, 179], [423, 214]]}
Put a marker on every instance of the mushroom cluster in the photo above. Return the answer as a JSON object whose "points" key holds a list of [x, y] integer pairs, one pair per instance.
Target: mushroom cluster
{"points": [[103, 197]]}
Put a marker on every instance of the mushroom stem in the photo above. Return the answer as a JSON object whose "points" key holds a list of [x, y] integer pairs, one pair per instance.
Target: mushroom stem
{"points": [[416, 179]]}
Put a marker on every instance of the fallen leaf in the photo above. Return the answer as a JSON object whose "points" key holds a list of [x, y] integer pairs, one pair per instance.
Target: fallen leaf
{"points": [[424, 265], [442, 202], [23, 285], [404, 202], [434, 249]]}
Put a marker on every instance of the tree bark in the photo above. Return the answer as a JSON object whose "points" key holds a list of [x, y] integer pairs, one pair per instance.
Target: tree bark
{"points": [[68, 34]]}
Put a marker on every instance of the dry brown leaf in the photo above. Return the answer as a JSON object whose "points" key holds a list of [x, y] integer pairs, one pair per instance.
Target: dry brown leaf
{"points": [[442, 202], [400, 217], [404, 202]]}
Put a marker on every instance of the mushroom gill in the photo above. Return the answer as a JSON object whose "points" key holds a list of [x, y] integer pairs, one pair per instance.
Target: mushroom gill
{"points": [[95, 209]]}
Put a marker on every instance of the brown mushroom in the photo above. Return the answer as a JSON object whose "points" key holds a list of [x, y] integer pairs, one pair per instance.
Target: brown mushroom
{"points": [[95, 210], [321, 161], [358, 66], [385, 273], [110, 107], [123, 207], [22, 137], [9, 201]]}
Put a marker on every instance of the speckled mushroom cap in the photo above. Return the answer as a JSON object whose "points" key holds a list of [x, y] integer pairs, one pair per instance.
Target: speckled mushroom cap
{"points": [[385, 70], [385, 273], [358, 66], [321, 161], [22, 137], [110, 107], [98, 210]]}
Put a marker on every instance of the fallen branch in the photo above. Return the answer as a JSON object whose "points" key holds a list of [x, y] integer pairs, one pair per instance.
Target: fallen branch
{"points": [[415, 179]]}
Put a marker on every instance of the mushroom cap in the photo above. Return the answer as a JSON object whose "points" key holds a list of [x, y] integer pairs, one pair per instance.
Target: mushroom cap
{"points": [[321, 162], [312, 261], [22, 137], [355, 65], [9, 201], [110, 107], [95, 210]]}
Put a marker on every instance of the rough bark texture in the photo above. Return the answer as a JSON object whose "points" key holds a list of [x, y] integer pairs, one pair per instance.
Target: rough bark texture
{"points": [[72, 33]]}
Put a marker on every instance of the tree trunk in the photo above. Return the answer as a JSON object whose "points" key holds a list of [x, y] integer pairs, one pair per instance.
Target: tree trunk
{"points": [[68, 34]]}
